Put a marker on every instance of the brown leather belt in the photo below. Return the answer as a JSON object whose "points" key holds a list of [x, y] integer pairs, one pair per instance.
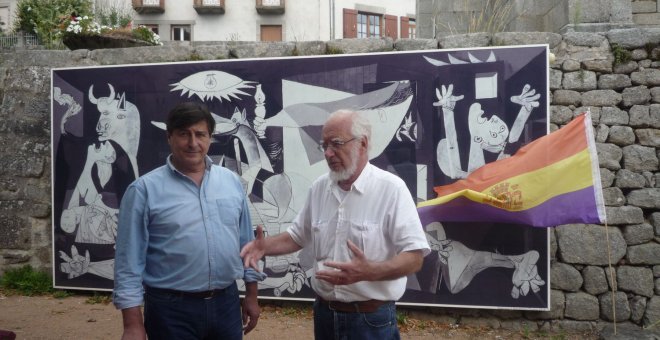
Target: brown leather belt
{"points": [[196, 295], [368, 306]]}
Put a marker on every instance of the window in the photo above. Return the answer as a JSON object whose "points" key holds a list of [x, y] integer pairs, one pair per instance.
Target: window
{"points": [[211, 2], [368, 25], [150, 2], [181, 32], [152, 27], [271, 33], [412, 29]]}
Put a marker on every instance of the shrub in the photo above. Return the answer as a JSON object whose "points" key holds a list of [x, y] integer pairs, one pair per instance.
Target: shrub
{"points": [[27, 281], [43, 17]]}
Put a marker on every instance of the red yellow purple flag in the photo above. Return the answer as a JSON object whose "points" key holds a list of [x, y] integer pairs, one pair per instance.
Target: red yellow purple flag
{"points": [[551, 181]]}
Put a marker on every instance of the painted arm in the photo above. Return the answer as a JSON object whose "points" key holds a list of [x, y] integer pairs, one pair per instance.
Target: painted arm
{"points": [[528, 99], [447, 101]]}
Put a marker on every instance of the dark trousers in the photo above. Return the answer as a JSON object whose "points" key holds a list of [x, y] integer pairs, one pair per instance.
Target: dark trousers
{"points": [[168, 315], [334, 325]]}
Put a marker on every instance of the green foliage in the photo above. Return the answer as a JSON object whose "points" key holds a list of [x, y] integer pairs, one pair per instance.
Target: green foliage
{"points": [[493, 16], [99, 298], [61, 294], [194, 56], [43, 17], [144, 33], [27, 281], [621, 55], [333, 50], [116, 14], [401, 318]]}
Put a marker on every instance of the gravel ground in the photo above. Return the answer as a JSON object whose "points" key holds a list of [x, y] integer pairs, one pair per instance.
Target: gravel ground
{"points": [[93, 317]]}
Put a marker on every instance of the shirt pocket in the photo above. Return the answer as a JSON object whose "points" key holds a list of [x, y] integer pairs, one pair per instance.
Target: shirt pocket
{"points": [[323, 241], [369, 237], [229, 210]]}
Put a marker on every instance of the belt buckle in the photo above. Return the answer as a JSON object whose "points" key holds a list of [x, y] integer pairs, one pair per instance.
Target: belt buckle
{"points": [[210, 295]]}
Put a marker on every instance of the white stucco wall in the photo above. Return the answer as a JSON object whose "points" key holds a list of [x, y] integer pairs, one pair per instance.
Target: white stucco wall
{"points": [[303, 20]]}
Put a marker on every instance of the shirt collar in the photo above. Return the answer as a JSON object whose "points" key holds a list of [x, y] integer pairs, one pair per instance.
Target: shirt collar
{"points": [[207, 160]]}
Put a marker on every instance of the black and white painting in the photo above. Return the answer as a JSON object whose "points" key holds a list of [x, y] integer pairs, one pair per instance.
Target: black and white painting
{"points": [[436, 116]]}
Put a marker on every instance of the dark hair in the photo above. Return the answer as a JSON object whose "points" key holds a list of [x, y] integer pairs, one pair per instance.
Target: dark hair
{"points": [[186, 114]]}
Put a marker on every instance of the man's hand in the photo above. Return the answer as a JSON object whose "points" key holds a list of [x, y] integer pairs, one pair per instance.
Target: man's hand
{"points": [[133, 324], [345, 273], [255, 250], [250, 307]]}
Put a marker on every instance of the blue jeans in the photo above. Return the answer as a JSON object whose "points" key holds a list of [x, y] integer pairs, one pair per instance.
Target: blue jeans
{"points": [[172, 316], [333, 325]]}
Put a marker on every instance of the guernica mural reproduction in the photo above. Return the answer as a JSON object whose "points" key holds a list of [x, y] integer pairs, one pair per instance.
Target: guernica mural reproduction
{"points": [[436, 116]]}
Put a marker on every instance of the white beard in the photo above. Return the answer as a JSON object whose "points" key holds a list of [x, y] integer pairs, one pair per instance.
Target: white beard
{"points": [[346, 173]]}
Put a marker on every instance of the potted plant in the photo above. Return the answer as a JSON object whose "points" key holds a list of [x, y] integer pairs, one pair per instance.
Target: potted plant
{"points": [[80, 32]]}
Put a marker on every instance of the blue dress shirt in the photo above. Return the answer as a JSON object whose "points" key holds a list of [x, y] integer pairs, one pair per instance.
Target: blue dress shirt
{"points": [[173, 234]]}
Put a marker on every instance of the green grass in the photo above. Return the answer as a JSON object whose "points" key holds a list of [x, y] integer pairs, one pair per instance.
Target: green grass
{"points": [[27, 281]]}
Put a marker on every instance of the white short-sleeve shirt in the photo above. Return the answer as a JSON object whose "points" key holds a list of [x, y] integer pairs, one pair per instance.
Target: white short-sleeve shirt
{"points": [[378, 215]]}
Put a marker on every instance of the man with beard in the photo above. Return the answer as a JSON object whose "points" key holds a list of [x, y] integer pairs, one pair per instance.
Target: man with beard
{"points": [[362, 226]]}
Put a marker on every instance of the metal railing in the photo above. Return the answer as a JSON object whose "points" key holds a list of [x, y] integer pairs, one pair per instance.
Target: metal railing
{"points": [[18, 40]]}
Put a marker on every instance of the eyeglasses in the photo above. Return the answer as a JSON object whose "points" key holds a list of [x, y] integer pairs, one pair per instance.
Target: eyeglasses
{"points": [[335, 144]]}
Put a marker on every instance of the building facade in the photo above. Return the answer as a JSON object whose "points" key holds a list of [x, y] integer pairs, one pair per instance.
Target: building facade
{"points": [[275, 20]]}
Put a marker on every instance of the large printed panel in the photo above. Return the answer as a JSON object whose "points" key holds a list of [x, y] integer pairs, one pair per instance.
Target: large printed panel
{"points": [[436, 117]]}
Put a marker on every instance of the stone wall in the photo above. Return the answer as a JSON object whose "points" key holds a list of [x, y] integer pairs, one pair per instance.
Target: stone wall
{"points": [[615, 75], [437, 18]]}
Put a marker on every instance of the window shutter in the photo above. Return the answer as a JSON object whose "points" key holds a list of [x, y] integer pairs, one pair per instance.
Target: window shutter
{"points": [[404, 27], [350, 23], [391, 27]]}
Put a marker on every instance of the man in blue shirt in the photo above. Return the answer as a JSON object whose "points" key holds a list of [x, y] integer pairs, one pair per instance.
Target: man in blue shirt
{"points": [[180, 231]]}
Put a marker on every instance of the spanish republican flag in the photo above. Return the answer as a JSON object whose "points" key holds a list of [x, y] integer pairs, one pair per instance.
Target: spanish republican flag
{"points": [[553, 180]]}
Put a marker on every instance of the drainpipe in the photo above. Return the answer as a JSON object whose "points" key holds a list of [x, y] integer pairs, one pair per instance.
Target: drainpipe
{"points": [[332, 19]]}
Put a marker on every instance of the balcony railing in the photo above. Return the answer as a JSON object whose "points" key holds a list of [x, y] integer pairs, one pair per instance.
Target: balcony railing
{"points": [[270, 6], [149, 6], [209, 6]]}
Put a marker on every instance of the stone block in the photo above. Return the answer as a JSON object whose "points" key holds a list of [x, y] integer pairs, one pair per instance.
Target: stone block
{"points": [[624, 215], [647, 198], [640, 158], [616, 308], [648, 137], [565, 277], [609, 156], [595, 282], [621, 135], [613, 81], [601, 98], [627, 179], [638, 233], [637, 280], [644, 254], [580, 80], [571, 240], [581, 306], [614, 197], [638, 95]]}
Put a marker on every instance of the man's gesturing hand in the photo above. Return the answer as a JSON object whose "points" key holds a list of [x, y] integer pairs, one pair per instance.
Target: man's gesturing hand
{"points": [[255, 250], [344, 273]]}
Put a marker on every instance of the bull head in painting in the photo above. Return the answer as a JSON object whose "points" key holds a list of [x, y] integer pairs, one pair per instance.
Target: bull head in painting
{"points": [[119, 121]]}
